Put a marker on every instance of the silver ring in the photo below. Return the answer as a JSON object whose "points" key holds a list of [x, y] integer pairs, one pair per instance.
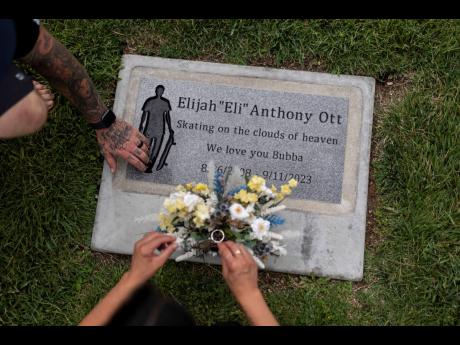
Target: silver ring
{"points": [[220, 232]]}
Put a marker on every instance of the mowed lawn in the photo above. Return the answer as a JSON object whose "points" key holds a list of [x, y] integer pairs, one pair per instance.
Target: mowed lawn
{"points": [[49, 181]]}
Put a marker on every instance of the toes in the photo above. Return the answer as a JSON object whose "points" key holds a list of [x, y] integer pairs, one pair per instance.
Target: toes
{"points": [[38, 86]]}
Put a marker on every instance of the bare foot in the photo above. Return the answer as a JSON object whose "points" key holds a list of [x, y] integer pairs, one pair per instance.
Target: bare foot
{"points": [[45, 94]]}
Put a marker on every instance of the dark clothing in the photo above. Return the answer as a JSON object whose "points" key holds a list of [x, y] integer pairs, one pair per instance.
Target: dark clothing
{"points": [[17, 39], [148, 307]]}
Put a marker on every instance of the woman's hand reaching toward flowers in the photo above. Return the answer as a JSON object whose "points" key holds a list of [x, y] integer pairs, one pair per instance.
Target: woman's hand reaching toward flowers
{"points": [[145, 262], [240, 272]]}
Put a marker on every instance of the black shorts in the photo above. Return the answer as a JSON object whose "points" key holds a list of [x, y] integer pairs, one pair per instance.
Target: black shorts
{"points": [[18, 37]]}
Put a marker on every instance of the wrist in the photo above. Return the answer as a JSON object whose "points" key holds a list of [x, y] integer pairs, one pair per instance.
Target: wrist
{"points": [[256, 309], [106, 120], [129, 281], [249, 297]]}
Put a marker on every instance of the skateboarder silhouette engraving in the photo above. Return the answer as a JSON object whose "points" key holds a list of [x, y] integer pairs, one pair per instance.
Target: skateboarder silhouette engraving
{"points": [[155, 117]]}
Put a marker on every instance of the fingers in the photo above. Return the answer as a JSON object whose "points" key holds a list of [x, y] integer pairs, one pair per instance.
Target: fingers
{"points": [[111, 161], [141, 145], [236, 250], [138, 157], [142, 138], [145, 239], [133, 160], [166, 253], [155, 242], [225, 252], [148, 236], [139, 152], [226, 256]]}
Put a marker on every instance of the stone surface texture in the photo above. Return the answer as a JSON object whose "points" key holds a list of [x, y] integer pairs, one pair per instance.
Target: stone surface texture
{"points": [[325, 221]]}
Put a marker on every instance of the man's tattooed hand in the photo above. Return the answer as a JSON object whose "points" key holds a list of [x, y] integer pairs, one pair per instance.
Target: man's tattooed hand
{"points": [[123, 140]]}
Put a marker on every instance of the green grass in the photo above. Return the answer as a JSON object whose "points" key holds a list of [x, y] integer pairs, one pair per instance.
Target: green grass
{"points": [[49, 181]]}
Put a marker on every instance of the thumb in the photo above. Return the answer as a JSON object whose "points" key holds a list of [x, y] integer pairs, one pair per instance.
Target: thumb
{"points": [[166, 253], [111, 161]]}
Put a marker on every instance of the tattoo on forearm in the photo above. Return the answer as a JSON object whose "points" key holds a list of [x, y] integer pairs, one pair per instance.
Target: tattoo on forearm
{"points": [[54, 62]]}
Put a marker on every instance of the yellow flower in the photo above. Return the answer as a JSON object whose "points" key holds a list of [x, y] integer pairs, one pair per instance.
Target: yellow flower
{"points": [[292, 183], [201, 188], [170, 205], [188, 186], [174, 205], [166, 222], [285, 189], [180, 188], [242, 195], [273, 188], [279, 196], [198, 222], [256, 183], [202, 212], [246, 197], [180, 204], [182, 213], [252, 197]]}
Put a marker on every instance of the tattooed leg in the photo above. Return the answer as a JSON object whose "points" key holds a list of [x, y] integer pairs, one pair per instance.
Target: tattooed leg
{"points": [[53, 61]]}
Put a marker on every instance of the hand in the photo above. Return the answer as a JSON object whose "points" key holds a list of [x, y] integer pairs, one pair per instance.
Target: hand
{"points": [[123, 140], [239, 269], [145, 263]]}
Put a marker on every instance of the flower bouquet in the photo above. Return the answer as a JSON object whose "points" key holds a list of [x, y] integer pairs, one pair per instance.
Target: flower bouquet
{"points": [[229, 207]]}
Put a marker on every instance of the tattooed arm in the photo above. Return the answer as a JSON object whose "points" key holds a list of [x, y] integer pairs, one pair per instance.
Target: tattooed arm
{"points": [[63, 71]]}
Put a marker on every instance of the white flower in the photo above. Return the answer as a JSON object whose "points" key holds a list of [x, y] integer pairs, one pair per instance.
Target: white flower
{"points": [[260, 228], [211, 203], [277, 249], [267, 191], [250, 208], [191, 200], [177, 195], [238, 212], [202, 212]]}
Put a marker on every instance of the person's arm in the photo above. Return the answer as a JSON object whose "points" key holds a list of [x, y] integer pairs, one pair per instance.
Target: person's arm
{"points": [[144, 264], [240, 272], [103, 312], [63, 71]]}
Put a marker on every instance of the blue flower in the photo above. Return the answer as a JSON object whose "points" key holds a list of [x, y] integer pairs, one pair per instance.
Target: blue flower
{"points": [[218, 187], [274, 220], [237, 189]]}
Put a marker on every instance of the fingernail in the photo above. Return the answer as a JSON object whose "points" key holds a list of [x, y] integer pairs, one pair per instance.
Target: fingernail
{"points": [[112, 170]]}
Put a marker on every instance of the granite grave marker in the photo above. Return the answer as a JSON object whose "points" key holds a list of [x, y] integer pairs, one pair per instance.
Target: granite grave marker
{"points": [[278, 124]]}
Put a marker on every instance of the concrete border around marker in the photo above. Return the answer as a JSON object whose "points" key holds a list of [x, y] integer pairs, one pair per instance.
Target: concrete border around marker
{"points": [[322, 244]]}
